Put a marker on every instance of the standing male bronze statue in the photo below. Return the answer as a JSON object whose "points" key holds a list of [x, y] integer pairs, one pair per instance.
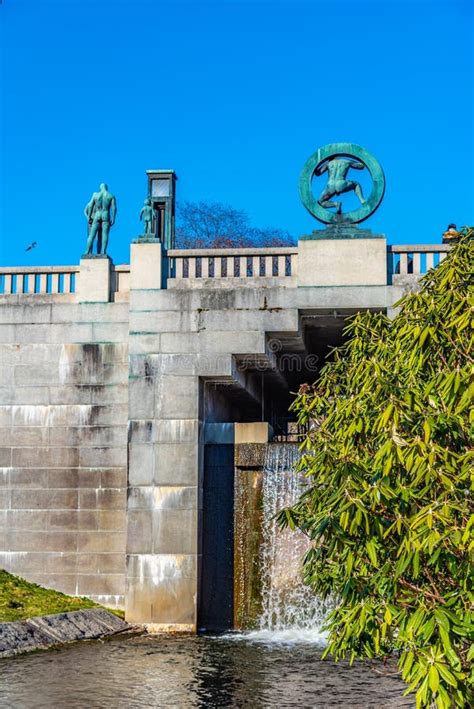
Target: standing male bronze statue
{"points": [[100, 213], [147, 213]]}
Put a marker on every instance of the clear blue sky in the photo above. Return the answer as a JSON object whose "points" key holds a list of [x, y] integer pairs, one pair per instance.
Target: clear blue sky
{"points": [[234, 96]]}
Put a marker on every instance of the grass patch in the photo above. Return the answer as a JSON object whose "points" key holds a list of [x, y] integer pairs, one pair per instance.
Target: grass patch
{"points": [[20, 599]]}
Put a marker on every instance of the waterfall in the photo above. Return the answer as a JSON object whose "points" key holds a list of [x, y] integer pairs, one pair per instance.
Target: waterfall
{"points": [[290, 610]]}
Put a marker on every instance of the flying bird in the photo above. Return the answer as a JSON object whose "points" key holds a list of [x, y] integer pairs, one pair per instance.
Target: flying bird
{"points": [[31, 246]]}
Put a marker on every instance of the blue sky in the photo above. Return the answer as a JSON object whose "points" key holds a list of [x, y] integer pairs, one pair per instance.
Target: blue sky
{"points": [[234, 96]]}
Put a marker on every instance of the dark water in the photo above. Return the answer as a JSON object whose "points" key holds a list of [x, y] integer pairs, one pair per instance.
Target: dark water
{"points": [[152, 671]]}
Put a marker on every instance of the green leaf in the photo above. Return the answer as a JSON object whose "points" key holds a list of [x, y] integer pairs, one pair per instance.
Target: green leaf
{"points": [[433, 678], [370, 546]]}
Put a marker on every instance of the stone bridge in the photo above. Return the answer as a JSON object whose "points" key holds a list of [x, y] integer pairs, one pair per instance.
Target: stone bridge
{"points": [[121, 384]]}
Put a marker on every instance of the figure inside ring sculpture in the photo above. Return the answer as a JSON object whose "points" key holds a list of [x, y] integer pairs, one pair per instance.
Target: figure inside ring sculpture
{"points": [[337, 169]]}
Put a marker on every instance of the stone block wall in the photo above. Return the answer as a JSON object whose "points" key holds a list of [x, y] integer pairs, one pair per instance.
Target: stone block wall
{"points": [[63, 444]]}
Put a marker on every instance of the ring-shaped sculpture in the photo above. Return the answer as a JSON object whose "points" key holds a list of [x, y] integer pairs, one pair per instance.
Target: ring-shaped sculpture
{"points": [[345, 155]]}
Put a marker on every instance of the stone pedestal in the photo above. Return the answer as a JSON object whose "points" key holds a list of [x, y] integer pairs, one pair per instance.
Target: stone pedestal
{"points": [[94, 279], [146, 270], [344, 256]]}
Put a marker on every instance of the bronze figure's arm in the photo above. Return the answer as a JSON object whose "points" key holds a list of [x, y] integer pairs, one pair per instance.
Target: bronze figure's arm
{"points": [[113, 211], [88, 210], [322, 168], [357, 165]]}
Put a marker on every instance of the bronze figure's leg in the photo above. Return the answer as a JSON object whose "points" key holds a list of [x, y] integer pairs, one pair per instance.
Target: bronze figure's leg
{"points": [[99, 238], [349, 186], [105, 237], [92, 234], [325, 200], [358, 191]]}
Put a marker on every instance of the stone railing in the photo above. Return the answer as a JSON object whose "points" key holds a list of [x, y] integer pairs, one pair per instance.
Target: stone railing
{"points": [[39, 280], [195, 264], [414, 259], [195, 268], [120, 282], [62, 282]]}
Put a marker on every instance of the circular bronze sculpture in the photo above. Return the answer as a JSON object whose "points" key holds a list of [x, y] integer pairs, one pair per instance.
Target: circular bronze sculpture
{"points": [[337, 159]]}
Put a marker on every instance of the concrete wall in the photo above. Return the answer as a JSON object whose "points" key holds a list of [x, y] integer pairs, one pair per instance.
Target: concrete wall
{"points": [[63, 444]]}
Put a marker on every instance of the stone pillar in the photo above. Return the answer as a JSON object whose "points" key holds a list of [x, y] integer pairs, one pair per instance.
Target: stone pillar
{"points": [[146, 259], [94, 279], [163, 460], [354, 257]]}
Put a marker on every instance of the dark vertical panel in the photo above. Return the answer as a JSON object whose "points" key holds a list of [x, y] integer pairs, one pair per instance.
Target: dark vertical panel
{"points": [[217, 574]]}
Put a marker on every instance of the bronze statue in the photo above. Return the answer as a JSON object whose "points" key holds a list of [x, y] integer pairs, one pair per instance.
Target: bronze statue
{"points": [[100, 213], [147, 213], [337, 169]]}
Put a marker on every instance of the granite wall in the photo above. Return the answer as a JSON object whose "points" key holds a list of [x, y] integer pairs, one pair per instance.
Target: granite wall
{"points": [[63, 444]]}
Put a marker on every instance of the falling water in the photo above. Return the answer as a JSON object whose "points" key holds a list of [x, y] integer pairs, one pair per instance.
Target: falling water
{"points": [[290, 610]]}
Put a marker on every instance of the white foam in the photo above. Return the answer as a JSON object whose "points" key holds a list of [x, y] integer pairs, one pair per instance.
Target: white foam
{"points": [[288, 636]]}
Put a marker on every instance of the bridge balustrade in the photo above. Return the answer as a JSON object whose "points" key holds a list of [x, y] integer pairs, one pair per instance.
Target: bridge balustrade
{"points": [[39, 280], [277, 262], [405, 264], [415, 259]]}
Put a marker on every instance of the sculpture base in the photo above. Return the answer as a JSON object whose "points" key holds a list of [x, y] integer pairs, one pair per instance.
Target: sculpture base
{"points": [[95, 279], [146, 239], [341, 231], [95, 256], [342, 260], [146, 265]]}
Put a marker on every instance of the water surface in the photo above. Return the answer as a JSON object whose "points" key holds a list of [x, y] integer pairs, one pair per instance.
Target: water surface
{"points": [[192, 671]]}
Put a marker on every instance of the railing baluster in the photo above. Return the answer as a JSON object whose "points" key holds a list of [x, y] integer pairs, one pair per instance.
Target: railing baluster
{"points": [[429, 260], [281, 266], [8, 283], [243, 266], [204, 266], [403, 264], [416, 262], [55, 283], [43, 283], [268, 260], [192, 267], [255, 266], [179, 267], [217, 267]]}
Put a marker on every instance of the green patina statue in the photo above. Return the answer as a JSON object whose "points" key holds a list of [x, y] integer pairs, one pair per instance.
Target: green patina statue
{"points": [[337, 159], [147, 213], [337, 169], [100, 213]]}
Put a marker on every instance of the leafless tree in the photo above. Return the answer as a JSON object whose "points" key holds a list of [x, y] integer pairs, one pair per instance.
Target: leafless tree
{"points": [[215, 225]]}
